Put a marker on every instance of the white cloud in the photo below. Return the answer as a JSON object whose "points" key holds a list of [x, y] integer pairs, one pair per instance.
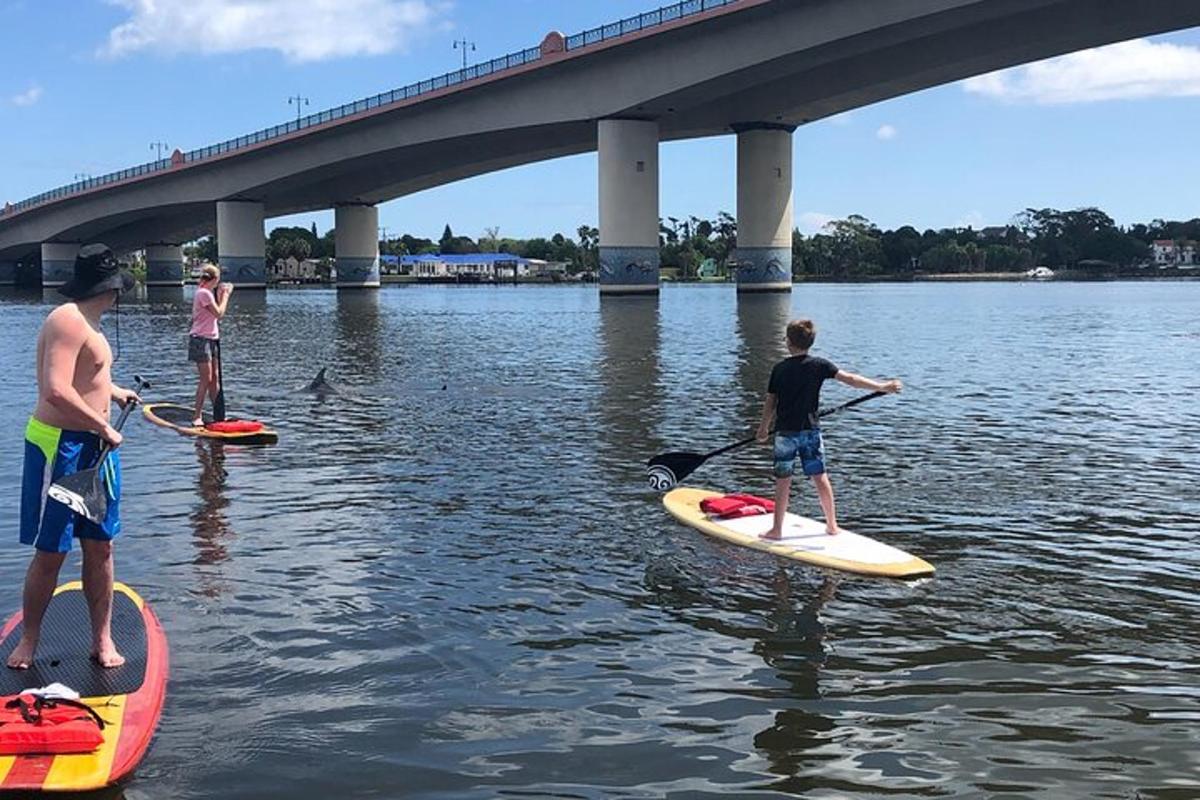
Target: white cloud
{"points": [[811, 222], [886, 133], [28, 97], [302, 30], [1129, 70]]}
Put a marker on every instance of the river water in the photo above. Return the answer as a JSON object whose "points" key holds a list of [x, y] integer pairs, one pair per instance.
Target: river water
{"points": [[451, 581]]}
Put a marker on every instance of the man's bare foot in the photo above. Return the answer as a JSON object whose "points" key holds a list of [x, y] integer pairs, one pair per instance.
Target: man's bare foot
{"points": [[771, 535], [833, 531], [22, 655], [108, 657]]}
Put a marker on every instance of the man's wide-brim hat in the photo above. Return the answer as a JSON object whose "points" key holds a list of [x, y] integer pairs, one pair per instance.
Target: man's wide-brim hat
{"points": [[96, 272]]}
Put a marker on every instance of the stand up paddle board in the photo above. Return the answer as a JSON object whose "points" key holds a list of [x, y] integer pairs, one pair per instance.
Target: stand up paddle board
{"points": [[128, 698], [803, 539], [179, 419]]}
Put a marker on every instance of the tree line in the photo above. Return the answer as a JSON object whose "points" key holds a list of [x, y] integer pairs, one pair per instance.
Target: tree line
{"points": [[850, 248]]}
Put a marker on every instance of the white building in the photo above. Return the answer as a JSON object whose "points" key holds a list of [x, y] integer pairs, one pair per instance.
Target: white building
{"points": [[1167, 253], [289, 269]]}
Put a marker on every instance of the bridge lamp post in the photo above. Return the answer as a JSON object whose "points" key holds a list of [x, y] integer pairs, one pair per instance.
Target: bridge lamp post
{"points": [[298, 101], [465, 44], [160, 147]]}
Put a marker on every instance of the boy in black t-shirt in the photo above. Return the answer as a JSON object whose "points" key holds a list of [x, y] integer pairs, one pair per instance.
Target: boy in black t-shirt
{"points": [[793, 395]]}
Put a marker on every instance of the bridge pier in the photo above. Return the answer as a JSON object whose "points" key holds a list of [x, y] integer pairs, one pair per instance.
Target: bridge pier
{"points": [[629, 257], [58, 263], [241, 244], [164, 265], [356, 246], [8, 273], [764, 207]]}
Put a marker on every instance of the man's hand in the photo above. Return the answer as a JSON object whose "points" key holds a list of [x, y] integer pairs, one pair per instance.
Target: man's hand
{"points": [[124, 396], [893, 386], [763, 435], [111, 435]]}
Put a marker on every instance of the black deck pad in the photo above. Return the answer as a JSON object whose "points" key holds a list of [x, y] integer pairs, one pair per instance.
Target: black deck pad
{"points": [[178, 415], [63, 652]]}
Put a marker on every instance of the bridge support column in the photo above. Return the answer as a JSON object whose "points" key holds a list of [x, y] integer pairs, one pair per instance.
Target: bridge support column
{"points": [[628, 206], [764, 207], [356, 246], [164, 265], [8, 273], [241, 244], [58, 263]]}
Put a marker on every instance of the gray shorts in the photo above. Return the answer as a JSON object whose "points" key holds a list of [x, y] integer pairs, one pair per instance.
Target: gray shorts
{"points": [[200, 349]]}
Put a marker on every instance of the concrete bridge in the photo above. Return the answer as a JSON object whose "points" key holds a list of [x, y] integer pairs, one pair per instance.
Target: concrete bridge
{"points": [[757, 69]]}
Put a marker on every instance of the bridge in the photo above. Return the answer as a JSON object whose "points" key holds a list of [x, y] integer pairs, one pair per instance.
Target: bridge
{"points": [[756, 69]]}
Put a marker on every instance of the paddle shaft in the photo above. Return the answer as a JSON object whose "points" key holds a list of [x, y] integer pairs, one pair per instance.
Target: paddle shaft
{"points": [[824, 413], [106, 448], [219, 400]]}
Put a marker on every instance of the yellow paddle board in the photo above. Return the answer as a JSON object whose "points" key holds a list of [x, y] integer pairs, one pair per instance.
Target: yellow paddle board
{"points": [[803, 539]]}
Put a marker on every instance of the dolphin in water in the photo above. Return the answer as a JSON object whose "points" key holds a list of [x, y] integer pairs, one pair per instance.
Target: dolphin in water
{"points": [[319, 385]]}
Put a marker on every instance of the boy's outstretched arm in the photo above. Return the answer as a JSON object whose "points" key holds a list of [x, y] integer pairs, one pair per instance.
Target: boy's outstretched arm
{"points": [[859, 382], [768, 417]]}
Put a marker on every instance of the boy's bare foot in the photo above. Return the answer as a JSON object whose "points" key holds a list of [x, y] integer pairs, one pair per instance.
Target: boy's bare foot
{"points": [[22, 655], [771, 535], [108, 657], [833, 531]]}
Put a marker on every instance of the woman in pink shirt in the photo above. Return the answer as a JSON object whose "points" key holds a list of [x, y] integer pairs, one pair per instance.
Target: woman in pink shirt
{"points": [[212, 298]]}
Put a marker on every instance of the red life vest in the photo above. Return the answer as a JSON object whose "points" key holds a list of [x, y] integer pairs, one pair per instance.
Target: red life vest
{"points": [[235, 426], [32, 724], [732, 506]]}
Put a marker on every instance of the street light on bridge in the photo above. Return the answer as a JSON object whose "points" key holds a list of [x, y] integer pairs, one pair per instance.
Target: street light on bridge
{"points": [[160, 147], [298, 101], [465, 44]]}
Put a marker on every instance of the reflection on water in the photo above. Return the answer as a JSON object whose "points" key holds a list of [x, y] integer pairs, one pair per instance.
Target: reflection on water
{"points": [[211, 528], [630, 379], [450, 580]]}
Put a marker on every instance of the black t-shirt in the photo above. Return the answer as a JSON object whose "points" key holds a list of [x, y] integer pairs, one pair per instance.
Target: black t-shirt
{"points": [[796, 382]]}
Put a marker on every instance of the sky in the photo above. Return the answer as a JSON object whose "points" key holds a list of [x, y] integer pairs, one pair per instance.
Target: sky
{"points": [[86, 87]]}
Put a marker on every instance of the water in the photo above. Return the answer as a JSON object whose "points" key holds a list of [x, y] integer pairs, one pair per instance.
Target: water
{"points": [[451, 581]]}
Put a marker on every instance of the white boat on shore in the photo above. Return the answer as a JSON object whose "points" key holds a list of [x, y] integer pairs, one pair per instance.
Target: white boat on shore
{"points": [[1040, 274]]}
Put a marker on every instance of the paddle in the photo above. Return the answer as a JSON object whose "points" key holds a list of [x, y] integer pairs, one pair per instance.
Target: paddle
{"points": [[665, 470], [84, 491], [219, 400]]}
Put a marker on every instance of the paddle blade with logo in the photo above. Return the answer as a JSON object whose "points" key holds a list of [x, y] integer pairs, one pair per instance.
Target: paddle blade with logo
{"points": [[667, 469], [83, 493]]}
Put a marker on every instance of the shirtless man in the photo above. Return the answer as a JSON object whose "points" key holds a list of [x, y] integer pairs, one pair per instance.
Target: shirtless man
{"points": [[64, 435]]}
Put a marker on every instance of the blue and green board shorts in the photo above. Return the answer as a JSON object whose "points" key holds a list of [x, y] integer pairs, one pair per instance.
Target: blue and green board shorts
{"points": [[52, 453]]}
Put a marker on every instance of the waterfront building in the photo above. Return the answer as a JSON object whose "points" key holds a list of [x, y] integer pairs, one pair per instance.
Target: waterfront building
{"points": [[1167, 253], [466, 267]]}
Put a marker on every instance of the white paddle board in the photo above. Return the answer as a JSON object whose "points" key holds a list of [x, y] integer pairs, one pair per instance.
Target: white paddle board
{"points": [[803, 539]]}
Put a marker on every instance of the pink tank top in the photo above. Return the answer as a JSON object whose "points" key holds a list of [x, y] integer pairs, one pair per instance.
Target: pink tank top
{"points": [[204, 317]]}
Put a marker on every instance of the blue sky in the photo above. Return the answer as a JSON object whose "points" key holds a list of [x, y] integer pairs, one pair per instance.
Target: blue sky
{"points": [[87, 85]]}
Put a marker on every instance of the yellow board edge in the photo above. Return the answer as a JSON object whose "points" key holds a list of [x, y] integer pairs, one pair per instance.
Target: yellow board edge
{"points": [[683, 503], [153, 418]]}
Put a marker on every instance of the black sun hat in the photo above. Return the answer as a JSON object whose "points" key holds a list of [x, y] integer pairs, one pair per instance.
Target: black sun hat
{"points": [[96, 272]]}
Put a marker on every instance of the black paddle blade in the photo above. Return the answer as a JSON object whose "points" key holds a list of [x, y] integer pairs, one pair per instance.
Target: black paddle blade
{"points": [[666, 470], [83, 493]]}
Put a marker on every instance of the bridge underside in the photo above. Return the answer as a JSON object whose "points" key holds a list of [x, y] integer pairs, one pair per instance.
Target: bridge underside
{"points": [[786, 62]]}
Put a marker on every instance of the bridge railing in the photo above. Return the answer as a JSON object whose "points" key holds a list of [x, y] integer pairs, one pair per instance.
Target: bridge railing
{"points": [[603, 33]]}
